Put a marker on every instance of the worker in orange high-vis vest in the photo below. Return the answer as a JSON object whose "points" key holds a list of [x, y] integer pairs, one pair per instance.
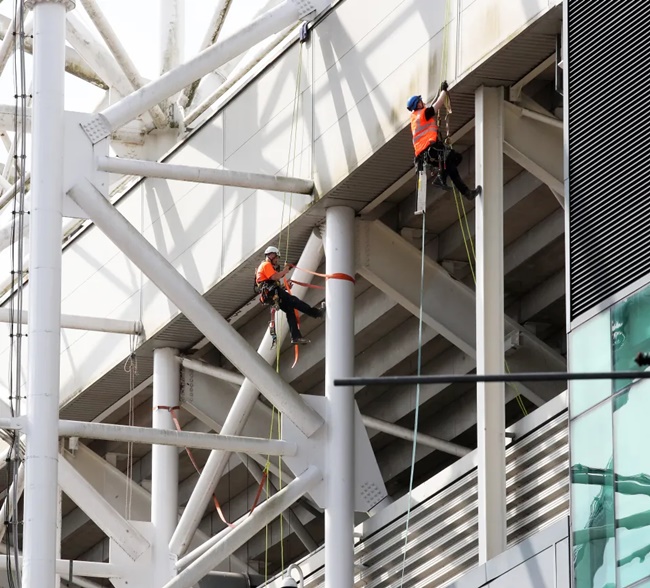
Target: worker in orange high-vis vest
{"points": [[267, 283], [427, 143]]}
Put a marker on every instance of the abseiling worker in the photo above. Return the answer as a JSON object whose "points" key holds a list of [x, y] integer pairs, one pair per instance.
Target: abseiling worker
{"points": [[271, 290], [427, 143]]}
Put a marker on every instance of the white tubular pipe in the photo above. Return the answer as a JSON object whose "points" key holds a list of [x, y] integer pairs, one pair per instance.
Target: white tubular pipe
{"points": [[11, 423], [91, 569], [41, 458], [339, 363], [549, 120], [210, 38], [196, 308], [7, 46], [237, 74], [178, 78], [172, 33], [211, 370], [122, 57], [82, 323], [206, 545], [9, 196], [202, 175], [407, 434], [175, 438], [164, 462], [247, 528], [239, 413]]}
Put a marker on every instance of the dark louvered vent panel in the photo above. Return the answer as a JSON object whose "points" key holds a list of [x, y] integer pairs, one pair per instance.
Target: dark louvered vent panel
{"points": [[609, 147]]}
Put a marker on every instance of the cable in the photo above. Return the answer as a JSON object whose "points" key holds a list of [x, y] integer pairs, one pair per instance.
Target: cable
{"points": [[16, 302], [417, 396]]}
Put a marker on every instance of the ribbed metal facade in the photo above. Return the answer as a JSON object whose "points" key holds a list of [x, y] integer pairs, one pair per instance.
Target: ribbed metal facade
{"points": [[609, 150], [443, 528]]}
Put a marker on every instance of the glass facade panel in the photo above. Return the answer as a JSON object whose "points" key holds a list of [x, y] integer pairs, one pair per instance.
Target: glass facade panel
{"points": [[590, 350], [630, 332], [592, 499], [632, 468]]}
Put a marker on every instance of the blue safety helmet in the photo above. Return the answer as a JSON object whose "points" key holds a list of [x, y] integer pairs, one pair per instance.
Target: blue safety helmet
{"points": [[413, 102]]}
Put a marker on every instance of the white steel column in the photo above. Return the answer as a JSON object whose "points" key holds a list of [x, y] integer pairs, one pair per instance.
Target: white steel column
{"points": [[42, 445], [172, 33], [339, 363], [164, 463], [490, 324]]}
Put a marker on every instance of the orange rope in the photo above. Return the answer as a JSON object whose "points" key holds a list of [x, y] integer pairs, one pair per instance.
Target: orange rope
{"points": [[172, 410], [335, 276]]}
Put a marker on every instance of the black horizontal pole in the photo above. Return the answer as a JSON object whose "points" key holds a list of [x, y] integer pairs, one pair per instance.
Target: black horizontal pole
{"points": [[475, 378]]}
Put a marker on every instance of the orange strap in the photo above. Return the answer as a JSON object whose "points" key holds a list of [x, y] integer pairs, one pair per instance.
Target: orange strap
{"points": [[172, 410], [335, 276]]}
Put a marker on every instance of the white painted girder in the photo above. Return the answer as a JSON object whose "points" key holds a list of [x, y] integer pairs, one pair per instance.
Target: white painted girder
{"points": [[99, 509], [536, 146], [392, 264]]}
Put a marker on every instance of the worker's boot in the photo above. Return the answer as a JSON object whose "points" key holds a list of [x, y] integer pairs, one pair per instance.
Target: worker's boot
{"points": [[321, 309], [472, 194]]}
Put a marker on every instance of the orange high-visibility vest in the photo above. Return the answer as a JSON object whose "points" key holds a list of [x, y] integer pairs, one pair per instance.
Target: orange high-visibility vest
{"points": [[424, 131]]}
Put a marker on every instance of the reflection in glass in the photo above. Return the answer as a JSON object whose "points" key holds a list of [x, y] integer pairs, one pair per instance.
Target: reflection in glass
{"points": [[590, 350], [631, 440], [630, 326], [592, 499]]}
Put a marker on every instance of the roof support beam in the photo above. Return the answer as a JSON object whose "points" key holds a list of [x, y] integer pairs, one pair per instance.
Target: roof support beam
{"points": [[130, 434], [95, 54], [121, 56], [211, 35], [248, 62], [180, 77], [536, 146], [74, 64], [101, 512], [392, 264], [203, 175]]}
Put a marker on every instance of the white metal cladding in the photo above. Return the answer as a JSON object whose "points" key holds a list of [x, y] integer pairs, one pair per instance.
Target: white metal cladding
{"points": [[443, 528]]}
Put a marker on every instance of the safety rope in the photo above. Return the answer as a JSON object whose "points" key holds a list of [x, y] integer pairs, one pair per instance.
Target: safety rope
{"points": [[173, 412], [291, 163], [471, 259], [417, 396], [130, 367]]}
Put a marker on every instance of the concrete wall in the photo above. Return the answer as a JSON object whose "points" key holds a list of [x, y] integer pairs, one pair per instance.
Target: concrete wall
{"points": [[356, 74]]}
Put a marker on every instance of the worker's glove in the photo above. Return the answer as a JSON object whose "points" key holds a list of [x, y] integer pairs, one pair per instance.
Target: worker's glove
{"points": [[444, 86]]}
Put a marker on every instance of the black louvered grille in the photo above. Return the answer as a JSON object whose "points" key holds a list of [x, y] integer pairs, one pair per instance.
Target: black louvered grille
{"points": [[609, 151]]}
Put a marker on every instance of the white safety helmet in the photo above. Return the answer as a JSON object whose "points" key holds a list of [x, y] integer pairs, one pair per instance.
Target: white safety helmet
{"points": [[272, 249]]}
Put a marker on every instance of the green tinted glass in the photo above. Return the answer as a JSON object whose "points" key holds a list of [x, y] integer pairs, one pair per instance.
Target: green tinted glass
{"points": [[632, 464], [592, 499], [590, 350], [630, 332]]}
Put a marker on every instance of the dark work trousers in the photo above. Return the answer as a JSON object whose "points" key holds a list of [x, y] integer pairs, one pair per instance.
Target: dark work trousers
{"points": [[450, 169], [288, 303]]}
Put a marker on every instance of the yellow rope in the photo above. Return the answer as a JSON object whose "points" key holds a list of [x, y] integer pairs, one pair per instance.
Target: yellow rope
{"points": [[471, 259]]}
